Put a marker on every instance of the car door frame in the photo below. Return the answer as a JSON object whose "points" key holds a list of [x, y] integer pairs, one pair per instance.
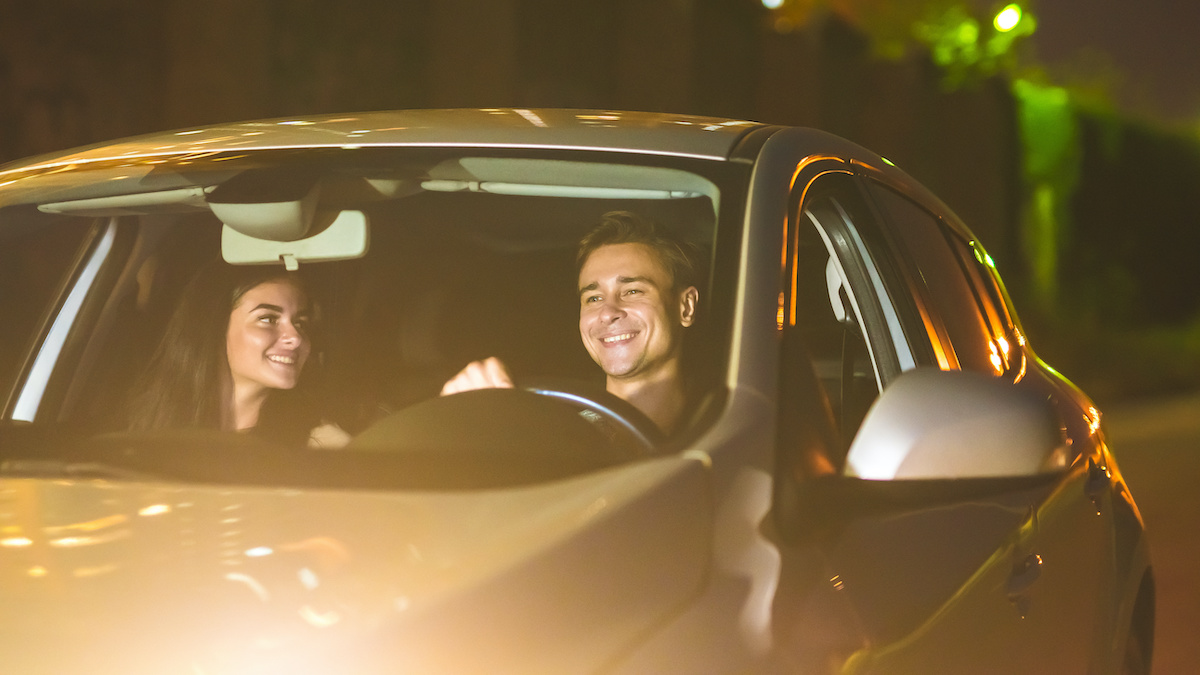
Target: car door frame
{"points": [[993, 574]]}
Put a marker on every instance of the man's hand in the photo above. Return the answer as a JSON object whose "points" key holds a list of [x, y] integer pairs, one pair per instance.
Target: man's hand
{"points": [[489, 373]]}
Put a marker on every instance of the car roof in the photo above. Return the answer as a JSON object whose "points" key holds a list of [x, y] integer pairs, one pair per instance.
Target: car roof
{"points": [[618, 131]]}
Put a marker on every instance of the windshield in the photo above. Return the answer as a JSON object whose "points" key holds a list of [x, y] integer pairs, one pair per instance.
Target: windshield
{"points": [[414, 263]]}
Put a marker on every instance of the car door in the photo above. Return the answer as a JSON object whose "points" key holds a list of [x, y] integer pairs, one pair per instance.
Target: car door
{"points": [[1061, 556], [970, 575]]}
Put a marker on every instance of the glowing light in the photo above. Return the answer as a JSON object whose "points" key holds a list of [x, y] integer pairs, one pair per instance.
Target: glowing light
{"points": [[37, 571], [531, 117], [296, 123], [595, 508], [968, 32], [251, 583], [308, 578], [319, 619], [71, 542], [86, 572], [772, 4], [154, 510], [1008, 18], [259, 551], [16, 542], [997, 363]]}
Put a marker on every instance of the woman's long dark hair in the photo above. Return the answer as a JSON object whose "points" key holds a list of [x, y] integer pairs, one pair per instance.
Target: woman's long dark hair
{"points": [[187, 382]]}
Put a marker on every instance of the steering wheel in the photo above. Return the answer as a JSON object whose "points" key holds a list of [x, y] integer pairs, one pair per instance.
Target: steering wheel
{"points": [[618, 419]]}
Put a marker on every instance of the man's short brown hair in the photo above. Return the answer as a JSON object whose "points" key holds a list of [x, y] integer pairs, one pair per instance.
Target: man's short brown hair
{"points": [[625, 227]]}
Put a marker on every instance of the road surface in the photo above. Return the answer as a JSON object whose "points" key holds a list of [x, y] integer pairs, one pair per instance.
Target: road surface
{"points": [[1157, 445]]}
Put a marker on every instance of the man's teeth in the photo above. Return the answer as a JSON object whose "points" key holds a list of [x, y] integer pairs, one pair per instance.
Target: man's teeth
{"points": [[281, 359], [617, 338]]}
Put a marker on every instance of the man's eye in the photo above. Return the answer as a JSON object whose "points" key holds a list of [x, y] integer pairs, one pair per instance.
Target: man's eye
{"points": [[633, 291], [591, 299]]}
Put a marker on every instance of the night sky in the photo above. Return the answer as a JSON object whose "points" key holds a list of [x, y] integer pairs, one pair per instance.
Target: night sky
{"points": [[1149, 51]]}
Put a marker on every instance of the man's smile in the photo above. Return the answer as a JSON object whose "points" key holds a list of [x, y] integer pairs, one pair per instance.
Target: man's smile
{"points": [[614, 339]]}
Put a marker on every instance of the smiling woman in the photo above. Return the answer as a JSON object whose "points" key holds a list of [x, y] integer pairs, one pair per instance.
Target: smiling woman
{"points": [[237, 335], [267, 345]]}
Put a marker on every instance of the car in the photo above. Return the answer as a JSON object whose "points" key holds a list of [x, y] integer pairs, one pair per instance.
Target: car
{"points": [[876, 473]]}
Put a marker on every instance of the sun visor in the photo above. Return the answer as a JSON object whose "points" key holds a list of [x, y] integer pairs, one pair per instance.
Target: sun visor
{"points": [[341, 235]]}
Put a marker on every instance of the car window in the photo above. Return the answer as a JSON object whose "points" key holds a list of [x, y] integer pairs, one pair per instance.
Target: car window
{"points": [[836, 301], [34, 264], [469, 255], [936, 264], [1006, 355]]}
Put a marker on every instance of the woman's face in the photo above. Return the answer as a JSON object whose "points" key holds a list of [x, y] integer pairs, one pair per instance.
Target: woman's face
{"points": [[267, 342]]}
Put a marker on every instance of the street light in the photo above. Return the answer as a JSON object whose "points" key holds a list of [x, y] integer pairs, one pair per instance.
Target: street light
{"points": [[1008, 18]]}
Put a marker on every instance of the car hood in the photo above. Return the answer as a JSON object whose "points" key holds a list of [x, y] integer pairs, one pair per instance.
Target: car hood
{"points": [[121, 577]]}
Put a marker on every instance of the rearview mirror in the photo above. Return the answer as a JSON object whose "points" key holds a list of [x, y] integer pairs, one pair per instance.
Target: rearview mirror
{"points": [[345, 238]]}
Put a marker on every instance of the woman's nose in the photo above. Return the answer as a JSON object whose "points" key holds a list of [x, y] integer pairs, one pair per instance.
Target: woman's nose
{"points": [[290, 334]]}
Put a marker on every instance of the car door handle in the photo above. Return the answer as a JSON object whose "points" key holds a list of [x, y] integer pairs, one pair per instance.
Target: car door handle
{"points": [[1024, 573], [1098, 482]]}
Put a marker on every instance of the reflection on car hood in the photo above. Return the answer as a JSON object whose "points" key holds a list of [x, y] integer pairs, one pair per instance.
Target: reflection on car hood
{"points": [[105, 577]]}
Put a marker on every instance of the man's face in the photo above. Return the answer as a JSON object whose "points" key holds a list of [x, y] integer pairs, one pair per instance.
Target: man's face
{"points": [[630, 319]]}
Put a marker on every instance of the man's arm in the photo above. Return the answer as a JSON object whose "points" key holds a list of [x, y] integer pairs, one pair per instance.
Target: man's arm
{"points": [[489, 373]]}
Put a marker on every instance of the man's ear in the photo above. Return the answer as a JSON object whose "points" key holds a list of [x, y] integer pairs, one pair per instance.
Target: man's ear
{"points": [[687, 306]]}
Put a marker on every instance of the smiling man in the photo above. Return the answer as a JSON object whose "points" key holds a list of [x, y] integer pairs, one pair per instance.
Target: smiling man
{"points": [[637, 295]]}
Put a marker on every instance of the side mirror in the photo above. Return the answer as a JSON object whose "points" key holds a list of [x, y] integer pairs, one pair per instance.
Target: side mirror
{"points": [[934, 424]]}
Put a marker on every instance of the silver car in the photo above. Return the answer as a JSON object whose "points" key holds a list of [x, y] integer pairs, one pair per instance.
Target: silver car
{"points": [[876, 474]]}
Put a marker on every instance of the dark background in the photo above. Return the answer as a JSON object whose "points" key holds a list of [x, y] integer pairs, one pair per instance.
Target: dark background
{"points": [[1085, 204]]}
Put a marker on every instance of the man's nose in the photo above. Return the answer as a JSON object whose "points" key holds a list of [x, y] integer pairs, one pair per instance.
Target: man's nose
{"points": [[611, 310]]}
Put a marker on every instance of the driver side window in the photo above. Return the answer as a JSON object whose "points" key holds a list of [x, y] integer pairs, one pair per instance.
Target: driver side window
{"points": [[833, 309]]}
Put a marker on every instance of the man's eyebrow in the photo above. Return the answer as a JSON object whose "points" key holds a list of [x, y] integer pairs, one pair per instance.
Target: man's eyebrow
{"points": [[620, 280]]}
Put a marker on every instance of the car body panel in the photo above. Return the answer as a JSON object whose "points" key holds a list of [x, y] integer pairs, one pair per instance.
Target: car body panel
{"points": [[618, 131], [255, 576]]}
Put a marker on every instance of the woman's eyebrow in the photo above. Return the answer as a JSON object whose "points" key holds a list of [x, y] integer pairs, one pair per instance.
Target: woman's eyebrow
{"points": [[263, 305]]}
